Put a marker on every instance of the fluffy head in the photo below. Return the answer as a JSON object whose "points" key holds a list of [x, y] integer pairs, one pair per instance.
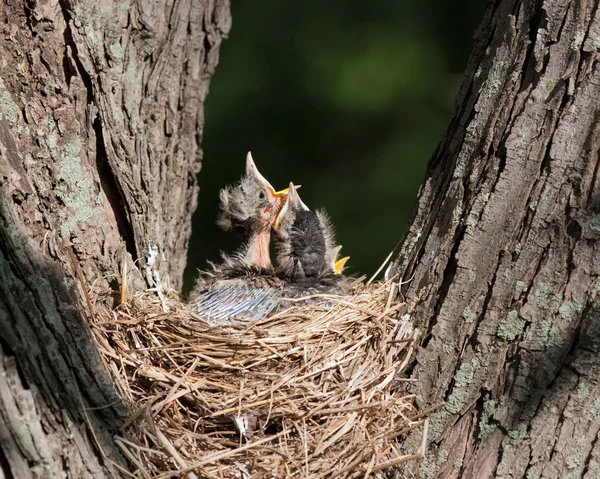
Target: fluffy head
{"points": [[332, 249], [300, 240], [252, 205], [305, 244]]}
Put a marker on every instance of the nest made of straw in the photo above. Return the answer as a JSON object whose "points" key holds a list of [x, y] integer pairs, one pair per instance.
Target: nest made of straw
{"points": [[313, 391]]}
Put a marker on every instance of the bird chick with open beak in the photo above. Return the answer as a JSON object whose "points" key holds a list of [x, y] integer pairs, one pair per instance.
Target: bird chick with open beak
{"points": [[244, 286], [306, 250], [250, 208]]}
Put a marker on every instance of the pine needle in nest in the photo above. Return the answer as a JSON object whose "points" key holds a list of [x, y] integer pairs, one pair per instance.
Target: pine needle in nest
{"points": [[312, 391]]}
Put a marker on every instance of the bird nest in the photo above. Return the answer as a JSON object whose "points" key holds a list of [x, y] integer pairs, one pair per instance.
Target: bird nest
{"points": [[313, 391]]}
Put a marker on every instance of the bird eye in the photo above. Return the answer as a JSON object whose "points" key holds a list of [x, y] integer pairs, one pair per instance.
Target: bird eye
{"points": [[261, 195]]}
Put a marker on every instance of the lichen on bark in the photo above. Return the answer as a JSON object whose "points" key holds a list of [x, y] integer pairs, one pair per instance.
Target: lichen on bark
{"points": [[101, 113], [511, 199]]}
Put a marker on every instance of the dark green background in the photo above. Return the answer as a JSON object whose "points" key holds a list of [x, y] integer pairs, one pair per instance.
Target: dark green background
{"points": [[348, 98]]}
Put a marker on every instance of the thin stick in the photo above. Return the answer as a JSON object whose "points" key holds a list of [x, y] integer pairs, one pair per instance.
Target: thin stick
{"points": [[80, 277], [123, 280], [417, 455], [221, 455], [100, 448], [385, 261], [173, 452]]}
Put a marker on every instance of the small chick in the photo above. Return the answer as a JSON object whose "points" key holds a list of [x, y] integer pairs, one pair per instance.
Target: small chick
{"points": [[306, 251], [244, 286], [250, 208]]}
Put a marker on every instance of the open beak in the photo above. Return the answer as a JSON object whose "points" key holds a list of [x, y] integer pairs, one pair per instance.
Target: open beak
{"points": [[283, 193], [338, 267], [291, 191], [276, 198], [292, 201], [294, 198], [252, 170]]}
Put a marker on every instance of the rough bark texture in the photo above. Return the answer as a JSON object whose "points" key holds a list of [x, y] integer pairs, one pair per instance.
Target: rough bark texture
{"points": [[101, 114], [504, 256]]}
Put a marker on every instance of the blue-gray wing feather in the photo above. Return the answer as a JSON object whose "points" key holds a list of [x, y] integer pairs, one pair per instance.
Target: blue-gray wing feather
{"points": [[228, 301]]}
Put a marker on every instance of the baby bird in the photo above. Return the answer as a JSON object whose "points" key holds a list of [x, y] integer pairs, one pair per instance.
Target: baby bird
{"points": [[244, 286], [250, 208], [306, 251]]}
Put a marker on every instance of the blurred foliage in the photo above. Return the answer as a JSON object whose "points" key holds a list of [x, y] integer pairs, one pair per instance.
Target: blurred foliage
{"points": [[347, 98]]}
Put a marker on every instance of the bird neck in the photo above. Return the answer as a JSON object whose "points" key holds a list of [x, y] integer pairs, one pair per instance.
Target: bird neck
{"points": [[258, 250]]}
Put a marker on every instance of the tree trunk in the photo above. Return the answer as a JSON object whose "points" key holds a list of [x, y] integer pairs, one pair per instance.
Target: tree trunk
{"points": [[101, 113], [101, 109], [503, 254]]}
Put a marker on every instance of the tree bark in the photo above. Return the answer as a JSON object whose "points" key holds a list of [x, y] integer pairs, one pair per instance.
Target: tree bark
{"points": [[503, 255], [101, 109], [101, 114]]}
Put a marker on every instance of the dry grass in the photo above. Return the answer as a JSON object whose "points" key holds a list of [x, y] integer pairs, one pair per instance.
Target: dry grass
{"points": [[314, 391]]}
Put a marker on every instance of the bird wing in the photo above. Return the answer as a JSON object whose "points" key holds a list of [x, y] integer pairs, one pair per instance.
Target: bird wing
{"points": [[229, 300]]}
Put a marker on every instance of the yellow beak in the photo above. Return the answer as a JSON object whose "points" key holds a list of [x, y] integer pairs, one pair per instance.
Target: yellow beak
{"points": [[285, 192], [338, 267]]}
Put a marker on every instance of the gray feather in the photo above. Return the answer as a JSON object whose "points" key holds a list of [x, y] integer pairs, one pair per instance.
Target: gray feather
{"points": [[236, 300]]}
